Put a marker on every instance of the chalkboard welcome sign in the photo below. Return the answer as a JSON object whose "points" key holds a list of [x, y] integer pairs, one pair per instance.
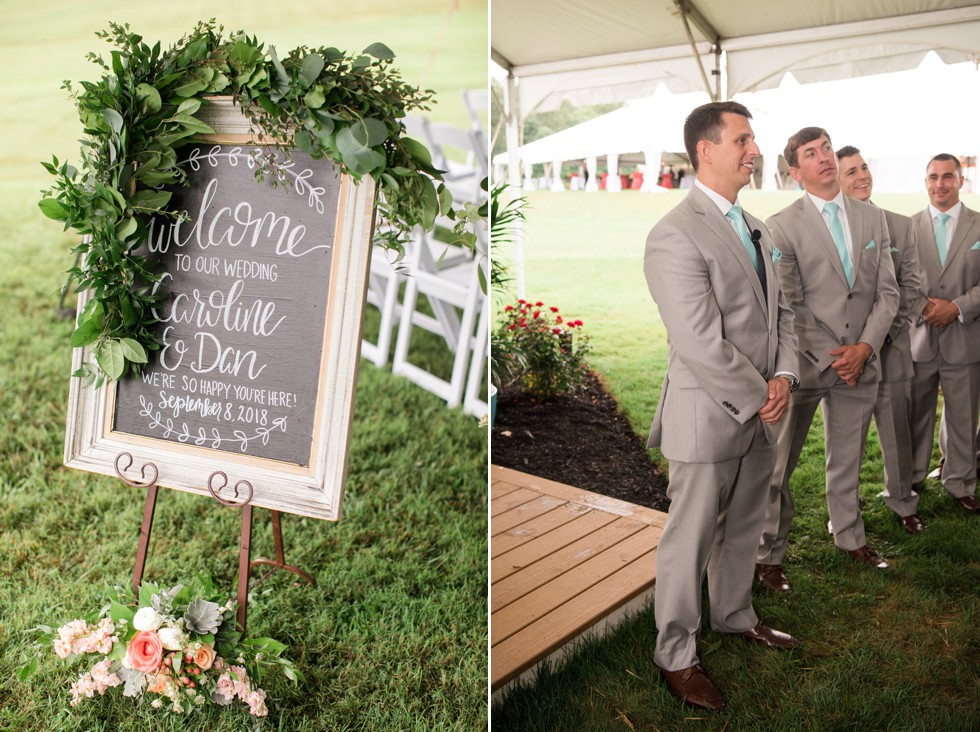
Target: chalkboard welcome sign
{"points": [[254, 381]]}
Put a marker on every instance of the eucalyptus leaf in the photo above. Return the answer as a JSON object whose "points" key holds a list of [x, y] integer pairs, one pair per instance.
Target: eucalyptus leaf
{"points": [[113, 119], [314, 99], [380, 51], [310, 70], [126, 227], [148, 94]]}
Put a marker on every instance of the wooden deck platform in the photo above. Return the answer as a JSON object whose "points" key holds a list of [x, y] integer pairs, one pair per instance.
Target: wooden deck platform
{"points": [[564, 563]]}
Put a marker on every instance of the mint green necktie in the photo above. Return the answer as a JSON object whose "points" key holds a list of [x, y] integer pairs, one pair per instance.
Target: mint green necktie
{"points": [[735, 214], [942, 236], [840, 241]]}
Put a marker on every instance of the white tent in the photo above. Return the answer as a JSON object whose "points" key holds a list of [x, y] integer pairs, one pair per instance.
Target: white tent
{"points": [[896, 119], [590, 52]]}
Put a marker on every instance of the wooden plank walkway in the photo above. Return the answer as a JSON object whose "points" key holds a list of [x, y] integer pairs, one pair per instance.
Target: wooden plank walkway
{"points": [[564, 563]]}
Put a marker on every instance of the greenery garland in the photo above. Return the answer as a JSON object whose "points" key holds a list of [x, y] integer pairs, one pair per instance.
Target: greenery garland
{"points": [[330, 104]]}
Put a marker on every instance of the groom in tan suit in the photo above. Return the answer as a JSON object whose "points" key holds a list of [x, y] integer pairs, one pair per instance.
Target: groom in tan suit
{"points": [[946, 338], [731, 364], [837, 275]]}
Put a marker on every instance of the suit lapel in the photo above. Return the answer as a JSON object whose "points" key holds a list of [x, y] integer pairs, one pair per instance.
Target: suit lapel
{"points": [[965, 235], [854, 223], [725, 232], [814, 221]]}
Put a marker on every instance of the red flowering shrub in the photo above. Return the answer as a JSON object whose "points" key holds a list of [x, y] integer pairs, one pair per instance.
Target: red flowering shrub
{"points": [[552, 353]]}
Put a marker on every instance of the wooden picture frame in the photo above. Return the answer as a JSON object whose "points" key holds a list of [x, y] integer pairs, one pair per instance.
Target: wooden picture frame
{"points": [[222, 459]]}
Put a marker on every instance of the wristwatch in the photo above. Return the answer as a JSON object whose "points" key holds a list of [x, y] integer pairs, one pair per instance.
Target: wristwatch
{"points": [[794, 382]]}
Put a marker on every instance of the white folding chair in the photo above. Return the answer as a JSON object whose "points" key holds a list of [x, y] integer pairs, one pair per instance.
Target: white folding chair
{"points": [[384, 280], [455, 297], [474, 399]]}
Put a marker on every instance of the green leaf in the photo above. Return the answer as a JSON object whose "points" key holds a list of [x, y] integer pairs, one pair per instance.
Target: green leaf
{"points": [[189, 106], [314, 99], [132, 350], [417, 150], [53, 209], [192, 84], [370, 132], [126, 227], [192, 123], [25, 671], [380, 51], [311, 68], [149, 96], [305, 142], [150, 199], [118, 611], [113, 119], [111, 359], [430, 204]]}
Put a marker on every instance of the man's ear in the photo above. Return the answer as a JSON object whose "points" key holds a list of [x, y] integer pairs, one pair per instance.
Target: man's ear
{"points": [[704, 151], [794, 173]]}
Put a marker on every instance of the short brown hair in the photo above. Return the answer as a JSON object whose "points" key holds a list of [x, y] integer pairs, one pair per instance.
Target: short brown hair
{"points": [[794, 143], [705, 123], [945, 157], [846, 151]]}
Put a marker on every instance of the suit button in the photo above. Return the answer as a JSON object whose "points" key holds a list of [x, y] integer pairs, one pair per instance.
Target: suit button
{"points": [[847, 326], [850, 295], [942, 287], [736, 411]]}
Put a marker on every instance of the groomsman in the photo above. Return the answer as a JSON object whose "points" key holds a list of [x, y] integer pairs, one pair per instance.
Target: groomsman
{"points": [[731, 364], [837, 275], [893, 407], [946, 337]]}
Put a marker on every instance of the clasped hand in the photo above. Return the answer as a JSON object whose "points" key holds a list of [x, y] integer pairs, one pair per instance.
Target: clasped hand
{"points": [[850, 362], [777, 402], [939, 312]]}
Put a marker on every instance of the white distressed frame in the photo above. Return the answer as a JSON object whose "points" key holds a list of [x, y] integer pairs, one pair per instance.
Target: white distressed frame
{"points": [[315, 490]]}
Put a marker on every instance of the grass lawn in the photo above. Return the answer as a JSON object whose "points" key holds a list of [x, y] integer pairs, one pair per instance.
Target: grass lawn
{"points": [[898, 650], [393, 636]]}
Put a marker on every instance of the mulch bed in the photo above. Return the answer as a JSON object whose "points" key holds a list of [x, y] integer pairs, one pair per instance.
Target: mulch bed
{"points": [[580, 440]]}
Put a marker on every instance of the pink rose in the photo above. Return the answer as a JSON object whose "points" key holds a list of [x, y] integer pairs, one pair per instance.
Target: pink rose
{"points": [[204, 657], [145, 651]]}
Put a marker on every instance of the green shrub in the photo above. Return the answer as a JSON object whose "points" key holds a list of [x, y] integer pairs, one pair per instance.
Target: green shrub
{"points": [[552, 350]]}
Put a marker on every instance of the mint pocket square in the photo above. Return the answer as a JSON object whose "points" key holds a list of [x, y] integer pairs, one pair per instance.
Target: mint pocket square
{"points": [[894, 250], [870, 244], [777, 255], [975, 246]]}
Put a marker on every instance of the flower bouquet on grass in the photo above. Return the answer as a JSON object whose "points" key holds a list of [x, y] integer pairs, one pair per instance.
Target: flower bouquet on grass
{"points": [[179, 647]]}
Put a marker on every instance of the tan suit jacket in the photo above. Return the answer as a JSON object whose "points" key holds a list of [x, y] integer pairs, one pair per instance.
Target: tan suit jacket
{"points": [[896, 354], [725, 337], [958, 280], [829, 313]]}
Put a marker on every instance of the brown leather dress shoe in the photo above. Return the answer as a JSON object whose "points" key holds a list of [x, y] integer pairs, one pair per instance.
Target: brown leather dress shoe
{"points": [[772, 577], [770, 638], [867, 556], [969, 503], [913, 524], [694, 687]]}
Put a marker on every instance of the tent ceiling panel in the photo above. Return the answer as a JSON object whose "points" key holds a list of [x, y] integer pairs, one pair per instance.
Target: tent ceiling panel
{"points": [[819, 39]]}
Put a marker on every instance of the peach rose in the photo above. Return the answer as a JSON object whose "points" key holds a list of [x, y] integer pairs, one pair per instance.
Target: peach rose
{"points": [[204, 657], [145, 651]]}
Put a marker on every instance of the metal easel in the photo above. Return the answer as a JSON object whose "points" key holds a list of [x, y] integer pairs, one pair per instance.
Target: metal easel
{"points": [[241, 496]]}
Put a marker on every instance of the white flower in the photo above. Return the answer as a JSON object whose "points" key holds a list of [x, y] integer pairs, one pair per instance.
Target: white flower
{"points": [[147, 618], [171, 638], [156, 703]]}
